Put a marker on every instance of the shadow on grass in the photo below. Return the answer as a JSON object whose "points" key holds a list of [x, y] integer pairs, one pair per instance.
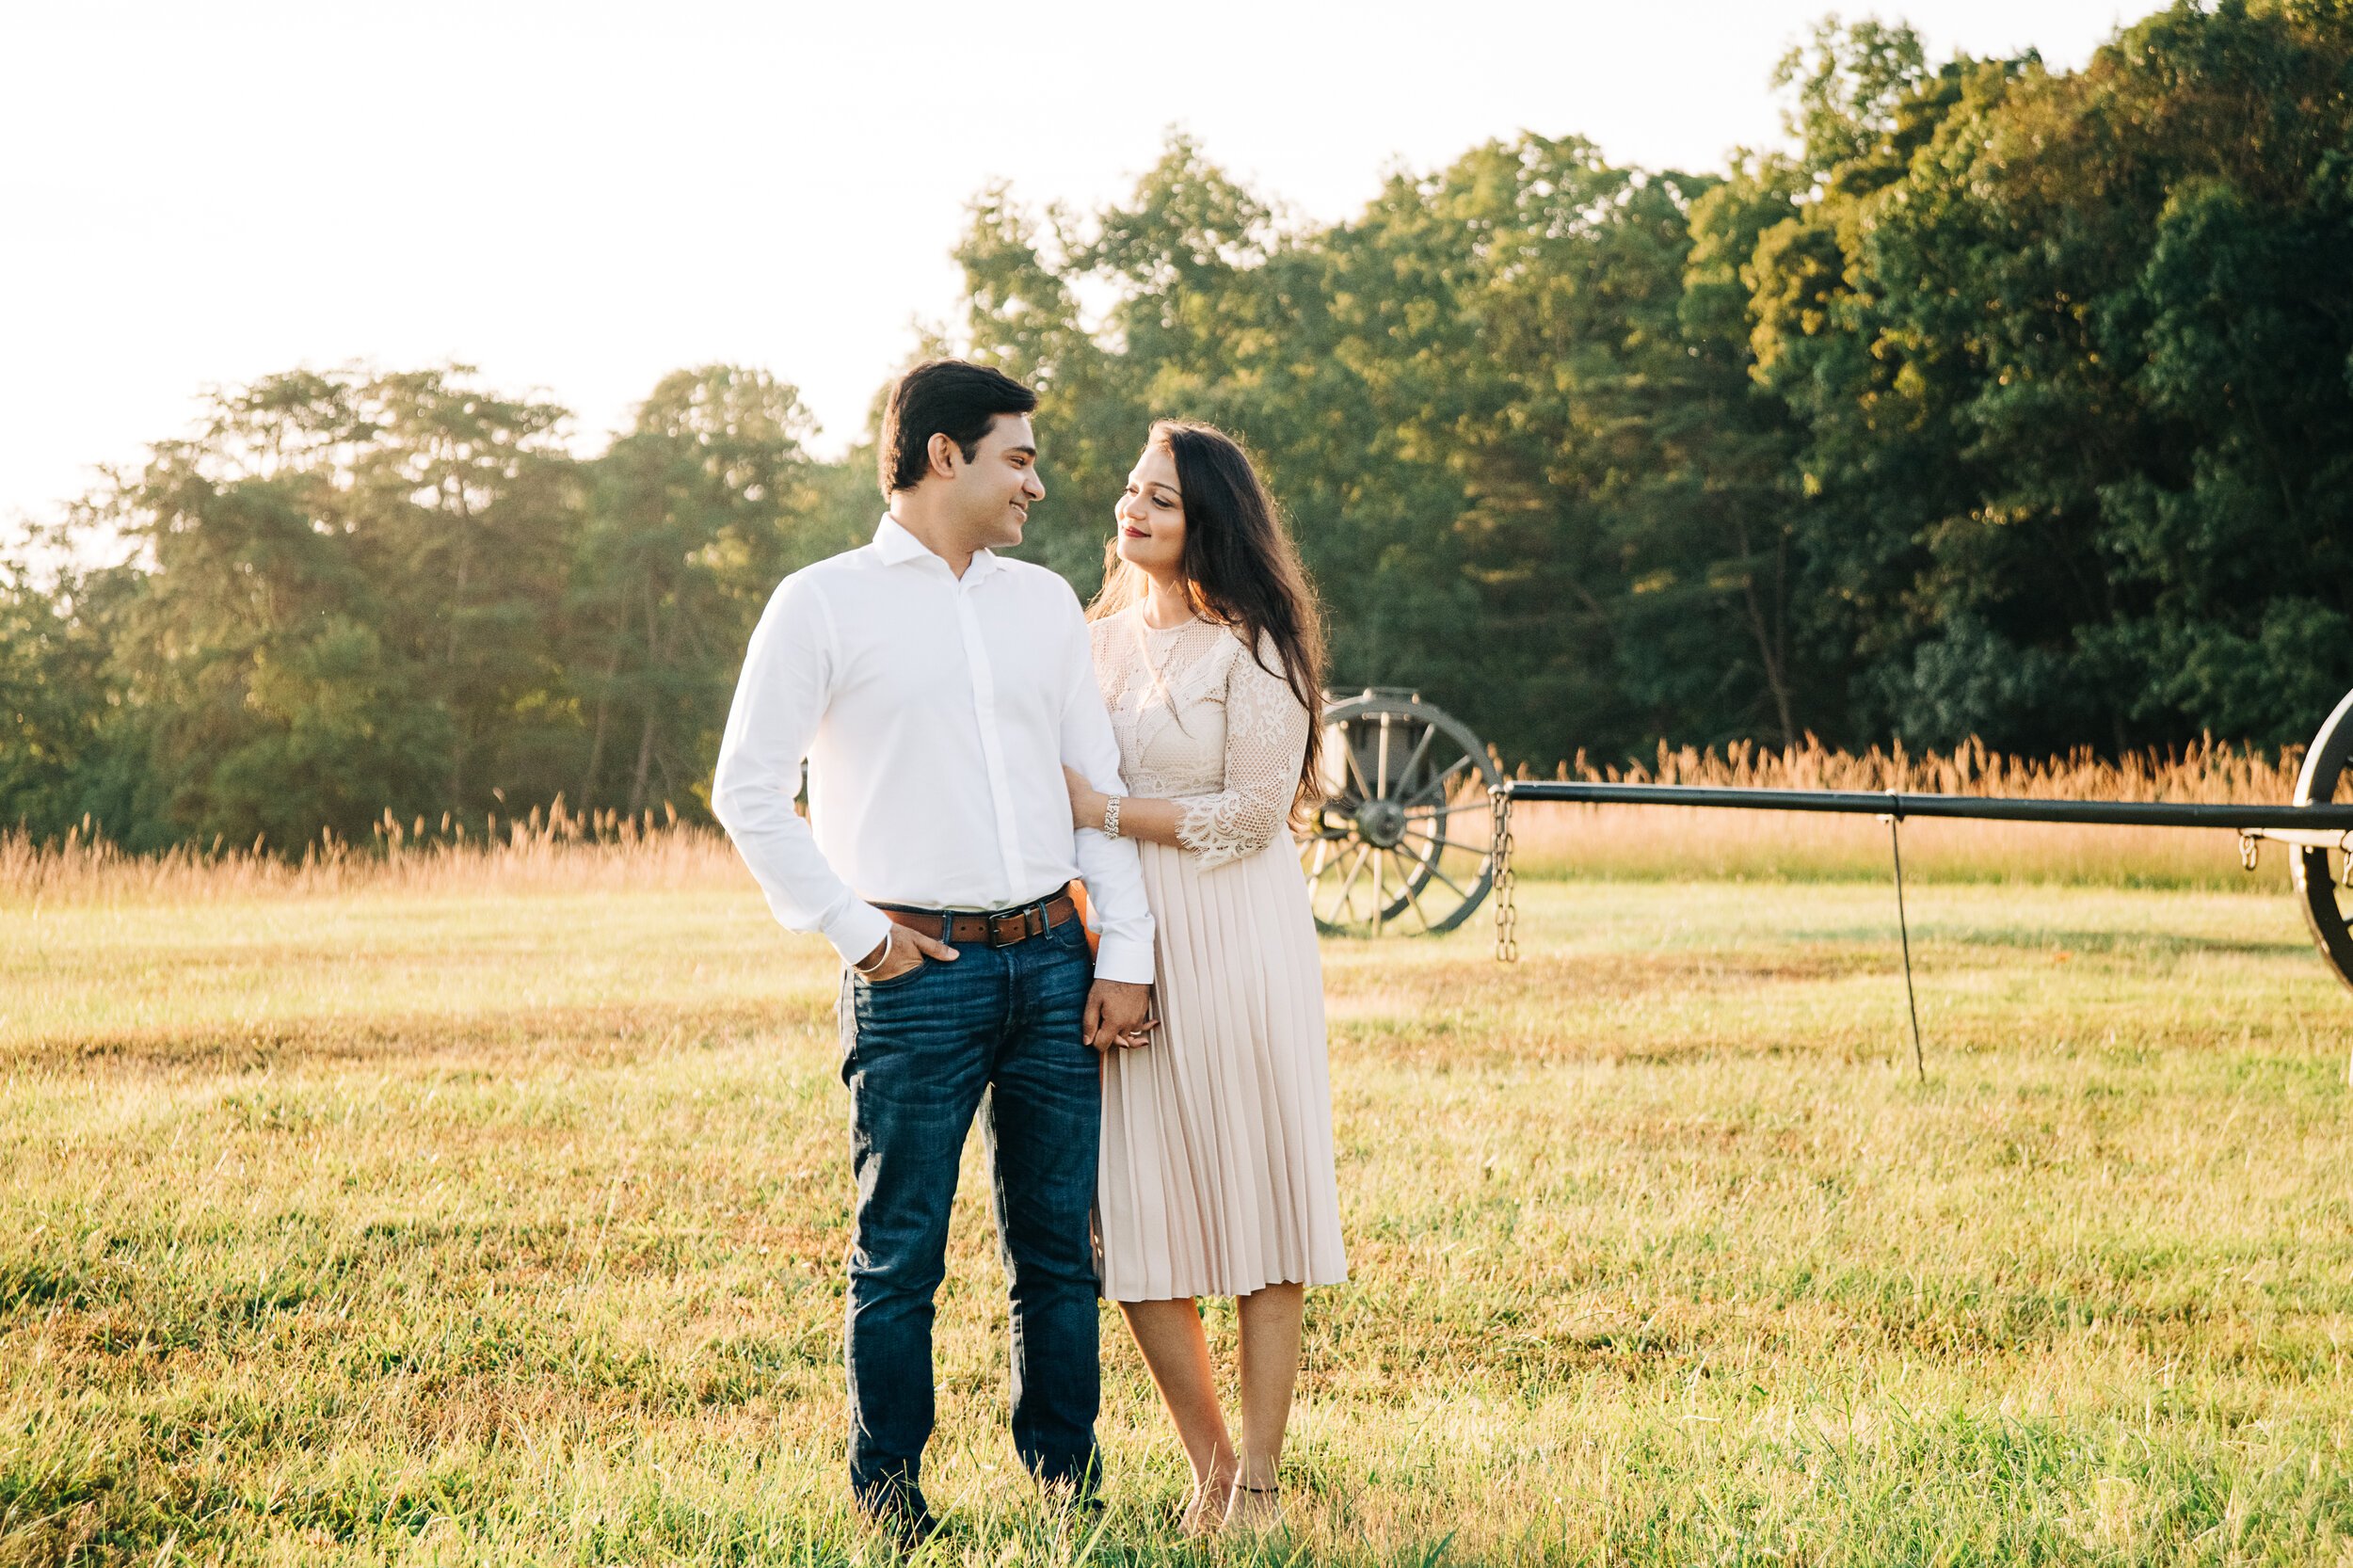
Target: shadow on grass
{"points": [[589, 1035], [2131, 944]]}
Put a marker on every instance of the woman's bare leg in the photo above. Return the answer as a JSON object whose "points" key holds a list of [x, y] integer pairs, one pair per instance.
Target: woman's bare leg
{"points": [[1270, 1371], [1178, 1353]]}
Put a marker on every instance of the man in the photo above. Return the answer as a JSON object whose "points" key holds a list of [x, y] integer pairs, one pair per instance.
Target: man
{"points": [[935, 690]]}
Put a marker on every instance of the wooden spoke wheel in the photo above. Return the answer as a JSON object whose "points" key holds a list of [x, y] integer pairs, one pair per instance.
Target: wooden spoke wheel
{"points": [[2319, 872], [1402, 841]]}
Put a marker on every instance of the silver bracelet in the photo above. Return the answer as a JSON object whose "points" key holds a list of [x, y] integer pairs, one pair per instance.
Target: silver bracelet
{"points": [[890, 936], [1111, 815]]}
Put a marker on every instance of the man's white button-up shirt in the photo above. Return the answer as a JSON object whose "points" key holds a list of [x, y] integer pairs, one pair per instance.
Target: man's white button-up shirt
{"points": [[936, 713]]}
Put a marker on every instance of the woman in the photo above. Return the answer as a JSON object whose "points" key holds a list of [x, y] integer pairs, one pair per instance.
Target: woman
{"points": [[1216, 1175]]}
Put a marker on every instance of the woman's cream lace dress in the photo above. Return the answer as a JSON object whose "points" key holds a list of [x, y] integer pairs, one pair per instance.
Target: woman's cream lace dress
{"points": [[1216, 1175]]}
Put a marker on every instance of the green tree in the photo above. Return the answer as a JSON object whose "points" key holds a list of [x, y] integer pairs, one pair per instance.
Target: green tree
{"points": [[53, 706], [2069, 350], [1514, 466], [273, 705], [694, 515], [467, 506]]}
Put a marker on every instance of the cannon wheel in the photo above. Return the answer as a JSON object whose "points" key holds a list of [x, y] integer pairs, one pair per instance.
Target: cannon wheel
{"points": [[2326, 776], [1401, 841]]}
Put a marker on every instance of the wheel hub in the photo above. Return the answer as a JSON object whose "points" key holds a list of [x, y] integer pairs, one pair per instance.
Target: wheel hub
{"points": [[1382, 823]]}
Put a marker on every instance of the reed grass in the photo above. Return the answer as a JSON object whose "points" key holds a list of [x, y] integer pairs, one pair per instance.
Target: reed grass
{"points": [[554, 849], [560, 850]]}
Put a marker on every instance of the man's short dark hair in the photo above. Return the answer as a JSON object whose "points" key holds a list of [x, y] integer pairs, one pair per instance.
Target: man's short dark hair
{"points": [[942, 397]]}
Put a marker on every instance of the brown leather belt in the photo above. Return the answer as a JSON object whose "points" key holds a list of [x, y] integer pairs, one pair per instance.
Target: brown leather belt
{"points": [[1001, 928]]}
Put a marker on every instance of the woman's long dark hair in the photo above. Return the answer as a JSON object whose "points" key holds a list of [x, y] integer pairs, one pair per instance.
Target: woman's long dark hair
{"points": [[1241, 570]]}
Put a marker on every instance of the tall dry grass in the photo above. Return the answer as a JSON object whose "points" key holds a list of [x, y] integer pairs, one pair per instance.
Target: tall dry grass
{"points": [[556, 850], [1647, 841], [2204, 772]]}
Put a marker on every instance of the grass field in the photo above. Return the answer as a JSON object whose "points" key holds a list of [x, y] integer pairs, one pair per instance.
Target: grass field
{"points": [[500, 1221]]}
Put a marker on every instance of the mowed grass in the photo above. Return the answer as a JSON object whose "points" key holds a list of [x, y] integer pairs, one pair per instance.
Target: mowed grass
{"points": [[506, 1226]]}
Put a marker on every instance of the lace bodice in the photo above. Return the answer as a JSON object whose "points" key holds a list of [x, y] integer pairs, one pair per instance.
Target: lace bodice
{"points": [[1200, 722]]}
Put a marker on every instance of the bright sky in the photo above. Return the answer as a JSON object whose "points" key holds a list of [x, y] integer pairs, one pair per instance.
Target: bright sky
{"points": [[579, 196]]}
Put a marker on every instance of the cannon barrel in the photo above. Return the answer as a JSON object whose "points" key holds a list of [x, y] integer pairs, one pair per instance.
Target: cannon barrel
{"points": [[2336, 820], [2315, 826]]}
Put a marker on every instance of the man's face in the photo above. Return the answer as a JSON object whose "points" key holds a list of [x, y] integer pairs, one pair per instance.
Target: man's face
{"points": [[996, 489]]}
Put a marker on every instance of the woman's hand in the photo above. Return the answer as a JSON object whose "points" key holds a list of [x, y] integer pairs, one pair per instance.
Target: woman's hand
{"points": [[1086, 801]]}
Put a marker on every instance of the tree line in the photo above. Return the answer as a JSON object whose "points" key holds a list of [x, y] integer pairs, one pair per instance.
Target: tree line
{"points": [[2010, 403], [356, 592]]}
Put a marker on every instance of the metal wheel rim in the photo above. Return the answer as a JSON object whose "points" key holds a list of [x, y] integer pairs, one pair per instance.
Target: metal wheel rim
{"points": [[2318, 893], [1420, 884]]}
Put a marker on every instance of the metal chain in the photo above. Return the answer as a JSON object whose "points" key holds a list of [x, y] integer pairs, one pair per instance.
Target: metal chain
{"points": [[1903, 927], [2249, 847], [1507, 914]]}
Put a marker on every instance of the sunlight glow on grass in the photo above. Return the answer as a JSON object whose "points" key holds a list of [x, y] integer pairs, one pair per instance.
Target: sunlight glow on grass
{"points": [[505, 1224]]}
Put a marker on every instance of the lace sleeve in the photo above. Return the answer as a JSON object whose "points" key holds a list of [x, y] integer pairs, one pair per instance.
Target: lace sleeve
{"points": [[1266, 735]]}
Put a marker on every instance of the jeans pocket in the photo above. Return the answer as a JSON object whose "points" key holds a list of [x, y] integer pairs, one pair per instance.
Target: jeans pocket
{"points": [[866, 1010]]}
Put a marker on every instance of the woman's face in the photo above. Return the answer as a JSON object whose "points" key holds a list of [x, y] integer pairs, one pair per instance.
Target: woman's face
{"points": [[1151, 515]]}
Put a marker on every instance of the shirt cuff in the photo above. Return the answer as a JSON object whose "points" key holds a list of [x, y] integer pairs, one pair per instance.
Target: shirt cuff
{"points": [[1124, 959], [858, 931]]}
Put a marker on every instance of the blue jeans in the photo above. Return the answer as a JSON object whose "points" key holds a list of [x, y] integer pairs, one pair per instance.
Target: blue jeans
{"points": [[917, 1052]]}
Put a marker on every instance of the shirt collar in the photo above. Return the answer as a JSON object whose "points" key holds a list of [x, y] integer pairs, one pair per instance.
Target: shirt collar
{"points": [[896, 547]]}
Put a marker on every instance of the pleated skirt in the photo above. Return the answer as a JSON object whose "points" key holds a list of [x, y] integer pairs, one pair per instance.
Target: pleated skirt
{"points": [[1216, 1174]]}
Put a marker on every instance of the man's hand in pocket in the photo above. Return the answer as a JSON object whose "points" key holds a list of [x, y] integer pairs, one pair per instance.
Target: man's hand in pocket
{"points": [[902, 952]]}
